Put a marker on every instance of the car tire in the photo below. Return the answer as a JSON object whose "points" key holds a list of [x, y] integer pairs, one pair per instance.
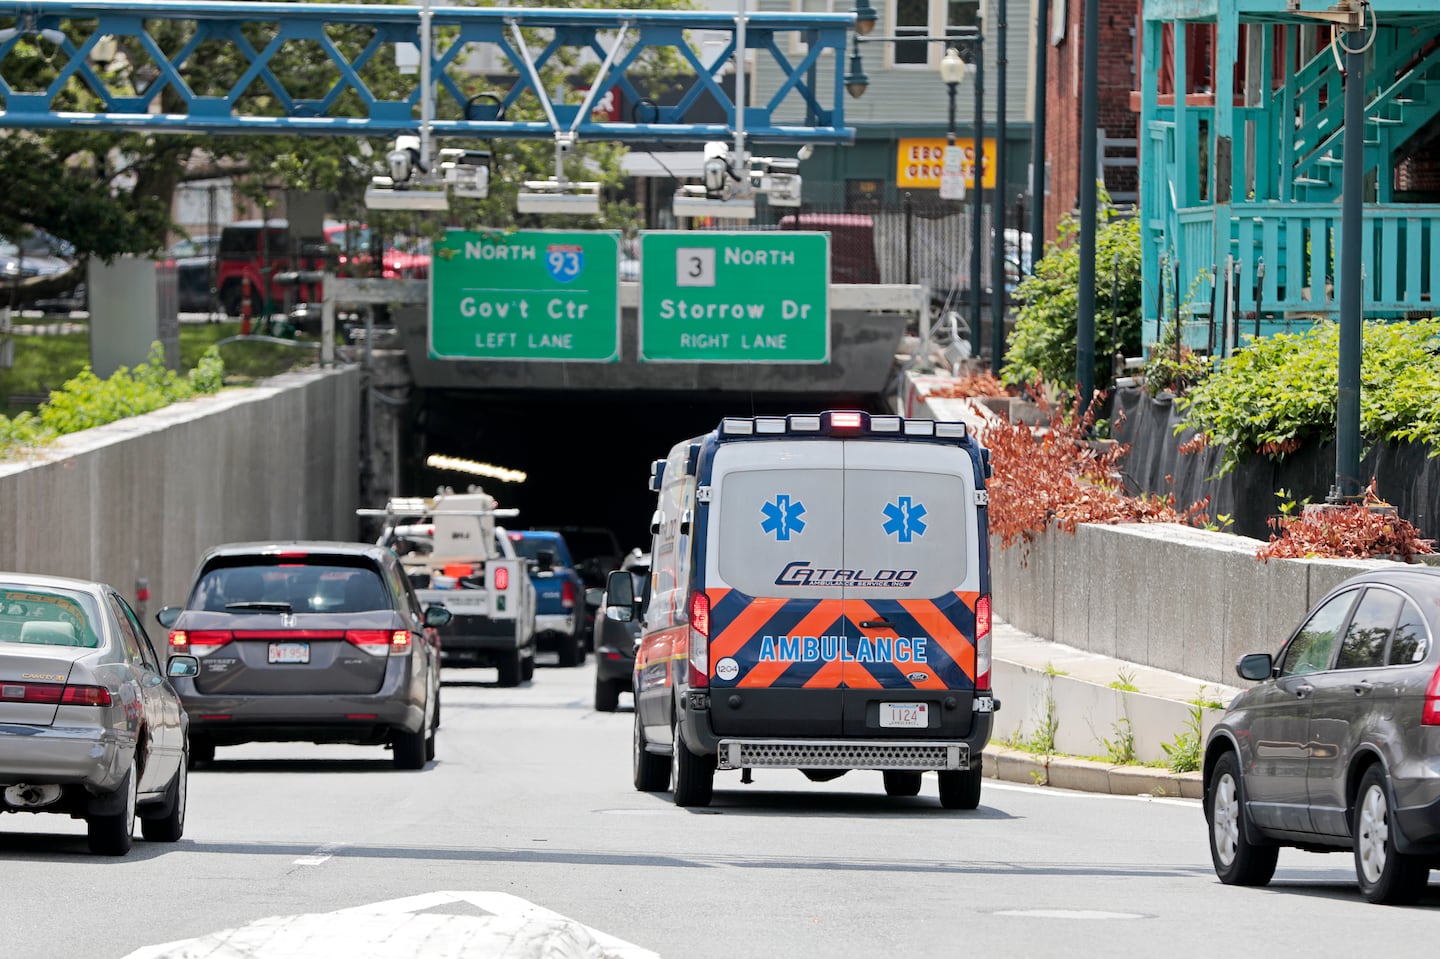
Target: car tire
{"points": [[651, 773], [1386, 875], [430, 745], [113, 835], [170, 826], [901, 782], [527, 668], [570, 651], [409, 748], [607, 695], [960, 788], [201, 750], [231, 298], [692, 777], [1238, 861], [510, 668]]}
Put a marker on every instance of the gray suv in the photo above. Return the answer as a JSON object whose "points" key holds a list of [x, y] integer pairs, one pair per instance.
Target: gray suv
{"points": [[309, 642], [1338, 748]]}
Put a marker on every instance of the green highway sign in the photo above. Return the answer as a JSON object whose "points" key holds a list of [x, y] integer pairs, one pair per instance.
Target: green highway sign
{"points": [[528, 295], [752, 297]]}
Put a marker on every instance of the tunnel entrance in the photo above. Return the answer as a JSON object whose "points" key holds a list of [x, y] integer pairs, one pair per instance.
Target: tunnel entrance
{"points": [[587, 454]]}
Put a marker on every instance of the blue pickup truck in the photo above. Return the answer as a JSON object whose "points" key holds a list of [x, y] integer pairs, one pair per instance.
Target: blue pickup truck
{"points": [[559, 594]]}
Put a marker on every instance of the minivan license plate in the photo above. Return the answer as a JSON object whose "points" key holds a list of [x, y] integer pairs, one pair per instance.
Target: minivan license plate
{"points": [[904, 715], [289, 652]]}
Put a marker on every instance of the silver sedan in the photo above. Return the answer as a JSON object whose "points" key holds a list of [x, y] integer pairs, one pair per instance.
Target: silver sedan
{"points": [[89, 725]]}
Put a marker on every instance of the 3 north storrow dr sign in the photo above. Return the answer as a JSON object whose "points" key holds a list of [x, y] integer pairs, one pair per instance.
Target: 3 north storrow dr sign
{"points": [[753, 297], [528, 295]]}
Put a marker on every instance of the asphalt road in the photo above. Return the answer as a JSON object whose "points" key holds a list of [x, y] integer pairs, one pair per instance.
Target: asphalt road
{"points": [[530, 796]]}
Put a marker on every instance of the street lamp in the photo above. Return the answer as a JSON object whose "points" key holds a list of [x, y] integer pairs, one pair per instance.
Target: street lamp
{"points": [[952, 71], [856, 82], [865, 17]]}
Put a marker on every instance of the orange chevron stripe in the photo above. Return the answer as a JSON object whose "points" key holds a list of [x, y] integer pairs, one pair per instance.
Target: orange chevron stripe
{"points": [[829, 676], [942, 631], [743, 627], [856, 675], [825, 612]]}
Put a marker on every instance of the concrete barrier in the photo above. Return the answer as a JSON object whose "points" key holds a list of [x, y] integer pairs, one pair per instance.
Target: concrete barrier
{"points": [[144, 497], [1187, 600]]}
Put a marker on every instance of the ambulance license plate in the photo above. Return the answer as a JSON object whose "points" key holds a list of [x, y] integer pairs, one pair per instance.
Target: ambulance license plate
{"points": [[289, 652], [904, 715]]}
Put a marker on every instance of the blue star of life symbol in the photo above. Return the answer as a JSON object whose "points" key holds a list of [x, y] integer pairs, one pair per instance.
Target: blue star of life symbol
{"points": [[905, 519], [782, 517]]}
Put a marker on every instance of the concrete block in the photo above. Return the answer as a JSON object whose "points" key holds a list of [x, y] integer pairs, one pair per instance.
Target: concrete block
{"points": [[1020, 767], [1107, 606], [1067, 773], [1192, 785], [1142, 781], [1073, 587], [1022, 583]]}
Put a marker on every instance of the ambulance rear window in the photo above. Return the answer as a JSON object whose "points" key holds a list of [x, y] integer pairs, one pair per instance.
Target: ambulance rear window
{"points": [[811, 533]]}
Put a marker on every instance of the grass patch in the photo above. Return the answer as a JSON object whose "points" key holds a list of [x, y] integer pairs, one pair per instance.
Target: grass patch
{"points": [[45, 362]]}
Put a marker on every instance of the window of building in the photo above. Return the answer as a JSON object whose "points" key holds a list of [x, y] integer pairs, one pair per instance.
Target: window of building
{"points": [[927, 18]]}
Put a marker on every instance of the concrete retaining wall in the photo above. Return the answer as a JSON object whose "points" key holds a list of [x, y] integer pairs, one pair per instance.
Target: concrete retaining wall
{"points": [[144, 497], [1186, 600]]}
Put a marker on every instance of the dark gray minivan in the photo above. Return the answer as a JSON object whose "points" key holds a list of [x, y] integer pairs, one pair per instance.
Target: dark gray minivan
{"points": [[1338, 747], [309, 642]]}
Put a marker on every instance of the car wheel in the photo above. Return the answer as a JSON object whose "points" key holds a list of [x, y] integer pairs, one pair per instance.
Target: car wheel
{"points": [[201, 750], [510, 669], [435, 720], [901, 782], [960, 788], [651, 772], [112, 835], [607, 695], [571, 651], [231, 298], [409, 748], [170, 826], [692, 777], [1385, 874], [527, 668], [1238, 861], [430, 745]]}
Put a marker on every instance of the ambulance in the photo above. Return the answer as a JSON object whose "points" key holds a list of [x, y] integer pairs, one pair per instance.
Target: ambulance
{"points": [[819, 600]]}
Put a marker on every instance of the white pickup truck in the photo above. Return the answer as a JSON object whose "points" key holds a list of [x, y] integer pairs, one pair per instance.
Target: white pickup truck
{"points": [[456, 555]]}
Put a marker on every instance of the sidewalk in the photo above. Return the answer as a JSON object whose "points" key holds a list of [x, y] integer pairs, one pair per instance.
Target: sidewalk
{"points": [[1071, 698]]}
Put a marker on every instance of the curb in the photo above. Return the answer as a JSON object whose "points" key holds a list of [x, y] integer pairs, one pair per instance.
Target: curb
{"points": [[1068, 772]]}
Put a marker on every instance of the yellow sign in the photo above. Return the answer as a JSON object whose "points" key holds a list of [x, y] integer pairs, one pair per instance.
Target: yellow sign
{"points": [[920, 161]]}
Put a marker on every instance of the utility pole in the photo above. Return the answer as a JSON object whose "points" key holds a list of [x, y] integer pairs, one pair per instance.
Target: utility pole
{"points": [[1037, 137], [1089, 146], [1352, 218], [997, 267]]}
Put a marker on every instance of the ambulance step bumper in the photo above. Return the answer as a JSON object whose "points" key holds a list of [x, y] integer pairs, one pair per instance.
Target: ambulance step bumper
{"points": [[840, 754]]}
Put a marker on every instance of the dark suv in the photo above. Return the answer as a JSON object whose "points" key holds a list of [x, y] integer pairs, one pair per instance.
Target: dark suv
{"points": [[615, 639], [1338, 747], [310, 642]]}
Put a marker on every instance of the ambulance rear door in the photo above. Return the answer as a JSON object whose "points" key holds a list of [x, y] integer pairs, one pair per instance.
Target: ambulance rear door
{"points": [[910, 579], [775, 523]]}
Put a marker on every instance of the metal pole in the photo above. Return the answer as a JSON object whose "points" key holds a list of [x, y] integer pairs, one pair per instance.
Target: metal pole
{"points": [[740, 20], [1037, 137], [997, 216], [1089, 145], [977, 198], [1352, 213], [427, 93]]}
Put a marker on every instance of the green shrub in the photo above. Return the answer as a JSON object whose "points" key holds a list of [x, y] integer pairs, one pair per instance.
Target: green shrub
{"points": [[86, 401], [1280, 392], [1042, 347]]}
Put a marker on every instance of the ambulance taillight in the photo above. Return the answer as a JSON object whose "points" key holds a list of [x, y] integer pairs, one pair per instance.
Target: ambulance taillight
{"points": [[699, 639], [982, 644]]}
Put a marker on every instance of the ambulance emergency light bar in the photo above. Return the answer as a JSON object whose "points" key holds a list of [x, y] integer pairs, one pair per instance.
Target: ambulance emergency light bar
{"points": [[839, 422]]}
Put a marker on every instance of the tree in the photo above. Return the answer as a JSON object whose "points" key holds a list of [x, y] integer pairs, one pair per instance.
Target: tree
{"points": [[1042, 347]]}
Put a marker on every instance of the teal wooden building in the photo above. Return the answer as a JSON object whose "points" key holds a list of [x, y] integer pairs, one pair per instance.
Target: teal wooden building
{"points": [[1242, 118]]}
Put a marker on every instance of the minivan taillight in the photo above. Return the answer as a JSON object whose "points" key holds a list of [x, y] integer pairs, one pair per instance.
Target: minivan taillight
{"points": [[199, 642], [379, 642], [982, 643], [699, 639], [567, 594], [1430, 715]]}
